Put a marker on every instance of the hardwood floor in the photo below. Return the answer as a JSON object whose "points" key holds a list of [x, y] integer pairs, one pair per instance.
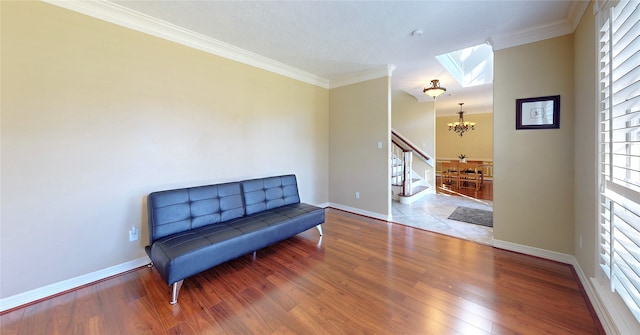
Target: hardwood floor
{"points": [[363, 276], [484, 193]]}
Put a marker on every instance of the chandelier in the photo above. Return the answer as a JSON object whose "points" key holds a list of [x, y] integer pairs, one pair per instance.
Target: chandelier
{"points": [[461, 126], [434, 90]]}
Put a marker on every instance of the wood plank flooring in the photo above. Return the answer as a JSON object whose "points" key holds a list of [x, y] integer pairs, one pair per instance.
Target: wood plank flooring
{"points": [[363, 276], [484, 193]]}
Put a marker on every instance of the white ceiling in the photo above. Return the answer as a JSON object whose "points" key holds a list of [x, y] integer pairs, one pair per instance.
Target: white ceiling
{"points": [[340, 41]]}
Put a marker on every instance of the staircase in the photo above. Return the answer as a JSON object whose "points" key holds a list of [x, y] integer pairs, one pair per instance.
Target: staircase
{"points": [[407, 186]]}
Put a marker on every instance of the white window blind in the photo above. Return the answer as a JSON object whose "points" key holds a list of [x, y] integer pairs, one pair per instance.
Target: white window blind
{"points": [[619, 149]]}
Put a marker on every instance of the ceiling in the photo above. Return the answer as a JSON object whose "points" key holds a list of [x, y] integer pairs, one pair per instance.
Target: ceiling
{"points": [[341, 42]]}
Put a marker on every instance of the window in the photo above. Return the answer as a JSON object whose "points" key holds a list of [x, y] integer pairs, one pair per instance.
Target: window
{"points": [[619, 148], [471, 66]]}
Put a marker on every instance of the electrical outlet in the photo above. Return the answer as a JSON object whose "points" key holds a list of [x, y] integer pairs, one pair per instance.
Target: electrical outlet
{"points": [[357, 195], [133, 234]]}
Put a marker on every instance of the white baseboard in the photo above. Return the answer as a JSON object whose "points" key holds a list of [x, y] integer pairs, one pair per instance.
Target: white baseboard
{"points": [[324, 205], [360, 212], [542, 253], [59, 287], [603, 315], [69, 284]]}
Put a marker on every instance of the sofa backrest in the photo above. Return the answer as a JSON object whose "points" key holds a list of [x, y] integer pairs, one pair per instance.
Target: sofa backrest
{"points": [[183, 209], [268, 193]]}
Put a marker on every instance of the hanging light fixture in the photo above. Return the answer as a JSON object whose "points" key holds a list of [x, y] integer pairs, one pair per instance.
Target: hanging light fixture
{"points": [[434, 90], [461, 126]]}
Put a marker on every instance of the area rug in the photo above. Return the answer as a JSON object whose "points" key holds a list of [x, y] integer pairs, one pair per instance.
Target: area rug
{"points": [[473, 215]]}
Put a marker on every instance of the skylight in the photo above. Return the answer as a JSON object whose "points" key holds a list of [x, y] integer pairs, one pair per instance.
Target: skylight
{"points": [[471, 66]]}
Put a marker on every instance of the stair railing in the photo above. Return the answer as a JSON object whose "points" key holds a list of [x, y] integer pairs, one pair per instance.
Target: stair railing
{"points": [[403, 152], [402, 160], [402, 142]]}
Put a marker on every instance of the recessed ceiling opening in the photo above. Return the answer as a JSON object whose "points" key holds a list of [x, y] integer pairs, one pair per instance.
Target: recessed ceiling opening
{"points": [[471, 66]]}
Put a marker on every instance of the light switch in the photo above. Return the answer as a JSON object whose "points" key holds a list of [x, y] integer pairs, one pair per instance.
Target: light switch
{"points": [[379, 145]]}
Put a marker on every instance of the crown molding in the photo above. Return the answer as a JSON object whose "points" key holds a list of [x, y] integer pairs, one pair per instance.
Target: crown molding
{"points": [[374, 73], [532, 35], [560, 28], [122, 16], [576, 11]]}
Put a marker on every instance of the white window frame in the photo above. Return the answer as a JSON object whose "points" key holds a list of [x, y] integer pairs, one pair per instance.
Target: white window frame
{"points": [[618, 162]]}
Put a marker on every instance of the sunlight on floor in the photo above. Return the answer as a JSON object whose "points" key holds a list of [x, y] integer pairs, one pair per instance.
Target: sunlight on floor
{"points": [[432, 212]]}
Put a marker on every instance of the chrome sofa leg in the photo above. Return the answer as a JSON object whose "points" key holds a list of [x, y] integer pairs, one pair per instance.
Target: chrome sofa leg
{"points": [[319, 229], [175, 291]]}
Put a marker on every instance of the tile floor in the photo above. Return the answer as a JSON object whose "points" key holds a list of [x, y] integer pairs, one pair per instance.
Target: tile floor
{"points": [[431, 213]]}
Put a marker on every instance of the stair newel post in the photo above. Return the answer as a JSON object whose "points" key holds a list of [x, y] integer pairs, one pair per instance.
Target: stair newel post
{"points": [[406, 180], [398, 165]]}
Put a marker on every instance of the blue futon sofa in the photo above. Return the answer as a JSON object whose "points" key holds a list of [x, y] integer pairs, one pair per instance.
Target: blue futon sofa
{"points": [[196, 228]]}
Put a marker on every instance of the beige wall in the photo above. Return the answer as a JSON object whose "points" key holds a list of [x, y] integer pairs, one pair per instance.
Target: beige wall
{"points": [[96, 116], [93, 119], [533, 174], [585, 152], [415, 121], [360, 118], [476, 144]]}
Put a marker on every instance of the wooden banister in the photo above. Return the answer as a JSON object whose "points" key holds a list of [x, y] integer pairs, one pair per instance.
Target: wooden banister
{"points": [[407, 144]]}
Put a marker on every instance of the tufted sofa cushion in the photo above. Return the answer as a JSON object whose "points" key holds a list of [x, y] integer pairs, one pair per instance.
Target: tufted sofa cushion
{"points": [[184, 209], [269, 193], [193, 229], [187, 253]]}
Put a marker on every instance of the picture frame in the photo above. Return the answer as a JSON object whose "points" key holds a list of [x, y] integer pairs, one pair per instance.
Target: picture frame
{"points": [[538, 113]]}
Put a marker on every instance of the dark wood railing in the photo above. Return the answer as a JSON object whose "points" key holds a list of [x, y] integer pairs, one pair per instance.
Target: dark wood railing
{"points": [[400, 168], [407, 145], [404, 151]]}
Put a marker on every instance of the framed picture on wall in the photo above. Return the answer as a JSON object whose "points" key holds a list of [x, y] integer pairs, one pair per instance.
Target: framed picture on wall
{"points": [[538, 113]]}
